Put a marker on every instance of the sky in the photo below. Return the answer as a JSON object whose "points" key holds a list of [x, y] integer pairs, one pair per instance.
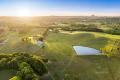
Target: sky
{"points": [[59, 7]]}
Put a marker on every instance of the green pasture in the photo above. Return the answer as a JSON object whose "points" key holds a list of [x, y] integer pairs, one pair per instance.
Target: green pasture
{"points": [[64, 64]]}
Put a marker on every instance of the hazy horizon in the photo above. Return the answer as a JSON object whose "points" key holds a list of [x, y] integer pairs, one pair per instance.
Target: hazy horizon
{"points": [[59, 7]]}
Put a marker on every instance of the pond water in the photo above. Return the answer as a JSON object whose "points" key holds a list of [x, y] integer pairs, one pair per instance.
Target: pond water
{"points": [[81, 50]]}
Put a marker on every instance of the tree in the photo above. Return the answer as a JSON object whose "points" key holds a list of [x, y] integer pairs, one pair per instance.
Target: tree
{"points": [[14, 78], [28, 67], [38, 66], [26, 72]]}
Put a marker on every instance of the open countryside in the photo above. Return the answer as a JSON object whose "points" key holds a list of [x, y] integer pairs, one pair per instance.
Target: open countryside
{"points": [[59, 47]]}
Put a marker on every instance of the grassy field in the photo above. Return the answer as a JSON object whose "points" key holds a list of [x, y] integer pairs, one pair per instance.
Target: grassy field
{"points": [[12, 42], [63, 62], [7, 74], [65, 65]]}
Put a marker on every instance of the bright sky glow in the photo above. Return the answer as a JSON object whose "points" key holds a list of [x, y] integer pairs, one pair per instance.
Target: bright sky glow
{"points": [[21, 12], [59, 7]]}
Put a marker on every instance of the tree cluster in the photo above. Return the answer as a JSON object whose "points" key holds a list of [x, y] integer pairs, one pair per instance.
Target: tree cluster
{"points": [[112, 49], [28, 67]]}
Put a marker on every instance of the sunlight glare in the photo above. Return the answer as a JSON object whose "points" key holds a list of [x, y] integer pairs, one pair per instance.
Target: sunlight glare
{"points": [[24, 13]]}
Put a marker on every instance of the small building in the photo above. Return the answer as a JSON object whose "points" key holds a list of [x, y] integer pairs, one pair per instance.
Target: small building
{"points": [[39, 43]]}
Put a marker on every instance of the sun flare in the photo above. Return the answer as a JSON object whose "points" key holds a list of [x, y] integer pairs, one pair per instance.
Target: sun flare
{"points": [[24, 13]]}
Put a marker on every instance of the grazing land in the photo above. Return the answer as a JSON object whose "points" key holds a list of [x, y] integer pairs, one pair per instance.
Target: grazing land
{"points": [[18, 36], [72, 67]]}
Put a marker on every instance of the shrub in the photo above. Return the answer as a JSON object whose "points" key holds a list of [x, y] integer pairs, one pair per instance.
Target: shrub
{"points": [[112, 49]]}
